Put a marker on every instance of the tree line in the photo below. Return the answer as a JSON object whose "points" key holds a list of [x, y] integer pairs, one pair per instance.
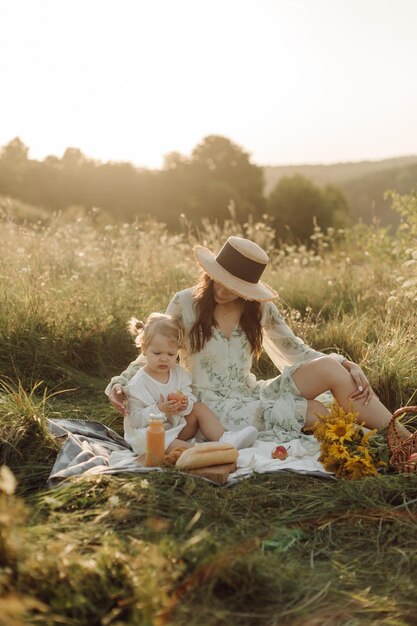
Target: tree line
{"points": [[202, 185]]}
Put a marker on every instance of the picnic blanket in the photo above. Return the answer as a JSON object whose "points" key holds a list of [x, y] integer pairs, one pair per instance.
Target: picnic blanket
{"points": [[90, 447]]}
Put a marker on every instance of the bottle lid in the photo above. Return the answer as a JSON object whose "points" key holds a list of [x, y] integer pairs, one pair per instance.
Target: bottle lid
{"points": [[157, 416]]}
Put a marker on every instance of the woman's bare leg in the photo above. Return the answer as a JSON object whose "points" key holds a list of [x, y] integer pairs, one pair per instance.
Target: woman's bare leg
{"points": [[314, 408], [327, 374]]}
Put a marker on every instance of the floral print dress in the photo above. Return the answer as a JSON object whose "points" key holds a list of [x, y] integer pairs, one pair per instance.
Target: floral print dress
{"points": [[222, 377]]}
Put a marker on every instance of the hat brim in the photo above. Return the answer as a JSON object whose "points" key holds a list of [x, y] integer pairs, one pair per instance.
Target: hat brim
{"points": [[246, 290]]}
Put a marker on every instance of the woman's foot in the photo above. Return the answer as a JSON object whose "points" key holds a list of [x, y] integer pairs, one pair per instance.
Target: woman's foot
{"points": [[240, 438]]}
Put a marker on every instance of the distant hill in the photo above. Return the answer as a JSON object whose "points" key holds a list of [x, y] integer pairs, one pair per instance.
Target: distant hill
{"points": [[363, 183], [366, 195]]}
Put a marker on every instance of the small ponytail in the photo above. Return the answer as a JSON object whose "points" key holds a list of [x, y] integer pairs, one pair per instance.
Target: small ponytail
{"points": [[167, 325], [136, 328]]}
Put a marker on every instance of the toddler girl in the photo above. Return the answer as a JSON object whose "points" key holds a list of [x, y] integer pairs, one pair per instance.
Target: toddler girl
{"points": [[162, 386]]}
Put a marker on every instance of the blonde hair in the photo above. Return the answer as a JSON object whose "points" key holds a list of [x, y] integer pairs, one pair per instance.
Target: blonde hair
{"points": [[156, 323]]}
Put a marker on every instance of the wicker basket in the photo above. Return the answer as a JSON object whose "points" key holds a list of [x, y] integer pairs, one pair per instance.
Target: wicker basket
{"points": [[401, 449]]}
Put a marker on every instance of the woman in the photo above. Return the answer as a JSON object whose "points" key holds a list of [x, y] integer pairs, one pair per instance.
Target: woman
{"points": [[229, 317]]}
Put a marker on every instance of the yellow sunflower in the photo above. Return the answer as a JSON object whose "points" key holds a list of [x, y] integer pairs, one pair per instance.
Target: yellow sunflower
{"points": [[340, 431], [337, 412], [320, 429], [366, 456], [344, 447], [366, 436], [339, 451], [331, 464], [358, 466]]}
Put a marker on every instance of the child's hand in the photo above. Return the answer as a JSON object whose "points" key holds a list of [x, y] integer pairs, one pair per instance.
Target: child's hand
{"points": [[182, 399], [179, 397], [169, 407], [184, 403]]}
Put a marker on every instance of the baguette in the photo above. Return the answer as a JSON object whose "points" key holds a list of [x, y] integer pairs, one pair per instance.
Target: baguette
{"points": [[206, 455]]}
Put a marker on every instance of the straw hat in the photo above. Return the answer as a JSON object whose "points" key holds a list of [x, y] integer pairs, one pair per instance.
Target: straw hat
{"points": [[238, 267]]}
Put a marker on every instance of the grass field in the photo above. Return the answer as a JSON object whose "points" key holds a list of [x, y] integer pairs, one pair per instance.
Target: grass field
{"points": [[171, 549]]}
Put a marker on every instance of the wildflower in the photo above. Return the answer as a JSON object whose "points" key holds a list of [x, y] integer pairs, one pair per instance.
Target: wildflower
{"points": [[331, 464], [339, 451], [358, 467], [341, 431], [366, 437], [7, 481], [345, 448], [320, 430]]}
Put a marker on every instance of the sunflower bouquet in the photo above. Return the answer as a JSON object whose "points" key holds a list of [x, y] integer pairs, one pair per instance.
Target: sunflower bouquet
{"points": [[345, 448]]}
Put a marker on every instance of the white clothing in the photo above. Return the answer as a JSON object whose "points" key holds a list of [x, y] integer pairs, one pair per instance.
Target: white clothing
{"points": [[143, 393], [223, 380], [222, 377]]}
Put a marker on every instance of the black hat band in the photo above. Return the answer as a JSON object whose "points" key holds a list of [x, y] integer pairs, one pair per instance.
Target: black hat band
{"points": [[239, 265]]}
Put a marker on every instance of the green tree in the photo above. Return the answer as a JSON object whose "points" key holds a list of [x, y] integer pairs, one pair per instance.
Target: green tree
{"points": [[337, 205], [295, 203], [222, 172], [203, 185], [13, 165], [200, 185], [15, 151]]}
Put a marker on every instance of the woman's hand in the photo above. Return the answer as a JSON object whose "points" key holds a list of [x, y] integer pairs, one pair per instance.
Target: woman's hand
{"points": [[117, 399], [364, 390]]}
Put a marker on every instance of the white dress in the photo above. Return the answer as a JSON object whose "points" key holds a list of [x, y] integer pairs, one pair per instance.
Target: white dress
{"points": [[143, 393], [222, 378]]}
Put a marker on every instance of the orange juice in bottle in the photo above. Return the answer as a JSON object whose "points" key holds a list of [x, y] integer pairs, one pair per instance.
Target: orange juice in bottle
{"points": [[155, 441]]}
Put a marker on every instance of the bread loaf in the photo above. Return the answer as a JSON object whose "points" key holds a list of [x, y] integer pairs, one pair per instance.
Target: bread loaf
{"points": [[215, 473], [207, 454]]}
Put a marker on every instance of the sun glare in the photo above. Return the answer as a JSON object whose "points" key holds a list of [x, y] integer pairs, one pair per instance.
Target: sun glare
{"points": [[290, 81]]}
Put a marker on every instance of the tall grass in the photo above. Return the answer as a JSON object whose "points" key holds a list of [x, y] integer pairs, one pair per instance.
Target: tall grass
{"points": [[68, 289], [172, 549], [168, 549]]}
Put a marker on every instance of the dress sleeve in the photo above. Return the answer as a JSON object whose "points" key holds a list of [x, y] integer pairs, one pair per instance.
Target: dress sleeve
{"points": [[174, 308], [125, 377], [141, 403], [280, 343], [185, 388], [140, 413]]}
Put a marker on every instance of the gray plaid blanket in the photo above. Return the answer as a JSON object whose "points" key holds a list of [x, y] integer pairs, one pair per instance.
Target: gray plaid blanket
{"points": [[90, 448], [93, 448]]}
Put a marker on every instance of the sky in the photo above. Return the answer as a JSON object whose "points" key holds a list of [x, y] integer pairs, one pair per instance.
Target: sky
{"points": [[290, 81]]}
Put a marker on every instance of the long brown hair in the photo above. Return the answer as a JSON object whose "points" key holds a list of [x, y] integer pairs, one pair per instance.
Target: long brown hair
{"points": [[204, 305]]}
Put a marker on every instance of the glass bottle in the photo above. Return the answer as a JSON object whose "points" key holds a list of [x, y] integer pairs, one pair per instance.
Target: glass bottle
{"points": [[155, 441]]}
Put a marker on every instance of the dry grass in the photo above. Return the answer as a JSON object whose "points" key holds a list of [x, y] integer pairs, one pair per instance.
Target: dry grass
{"points": [[171, 549]]}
